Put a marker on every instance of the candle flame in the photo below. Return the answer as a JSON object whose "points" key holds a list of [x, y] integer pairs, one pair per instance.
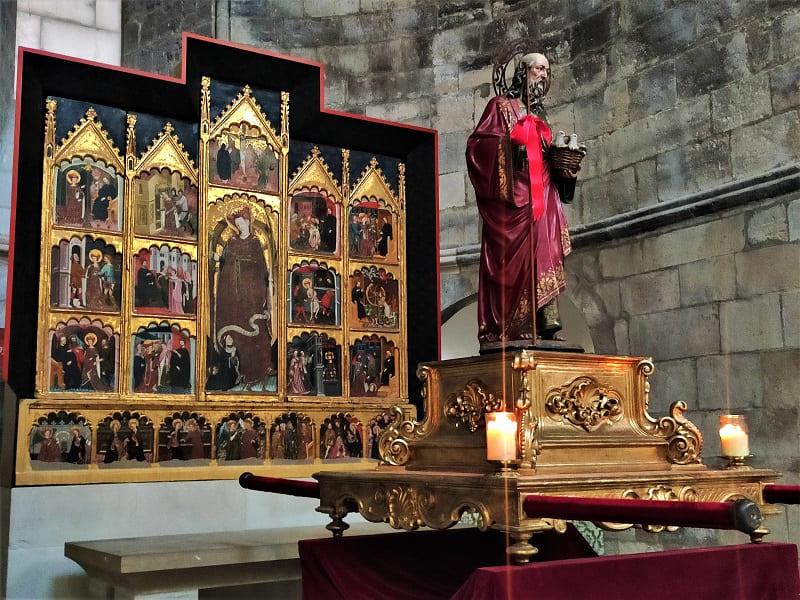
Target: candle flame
{"points": [[730, 429]]}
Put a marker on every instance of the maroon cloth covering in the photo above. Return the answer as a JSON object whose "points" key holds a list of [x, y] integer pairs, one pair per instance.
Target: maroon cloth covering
{"points": [[748, 572], [713, 515], [510, 238], [277, 485], [782, 494], [416, 565]]}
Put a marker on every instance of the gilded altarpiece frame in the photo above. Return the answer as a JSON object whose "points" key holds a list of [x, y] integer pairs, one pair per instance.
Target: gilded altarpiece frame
{"points": [[207, 310]]}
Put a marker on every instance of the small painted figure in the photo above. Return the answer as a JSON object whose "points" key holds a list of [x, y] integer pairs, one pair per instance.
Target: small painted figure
{"points": [[95, 297], [232, 440], [297, 373], [77, 448], [134, 450], [388, 368], [180, 368], [115, 449], [75, 200], [76, 274], [108, 282], [174, 441], [223, 163], [50, 449], [384, 236], [249, 440], [91, 366], [195, 438]]}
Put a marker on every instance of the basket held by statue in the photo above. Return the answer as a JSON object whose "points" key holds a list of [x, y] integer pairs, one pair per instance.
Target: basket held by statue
{"points": [[566, 158]]}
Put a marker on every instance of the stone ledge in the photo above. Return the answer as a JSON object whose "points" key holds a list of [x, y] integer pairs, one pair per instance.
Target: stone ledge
{"points": [[770, 185], [154, 565], [617, 227]]}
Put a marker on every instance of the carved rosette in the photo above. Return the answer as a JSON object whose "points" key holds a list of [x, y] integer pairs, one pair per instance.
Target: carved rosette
{"points": [[467, 407], [684, 440], [586, 403]]}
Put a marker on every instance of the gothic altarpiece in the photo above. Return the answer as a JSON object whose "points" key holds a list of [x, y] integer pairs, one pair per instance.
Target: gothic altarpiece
{"points": [[211, 303]]}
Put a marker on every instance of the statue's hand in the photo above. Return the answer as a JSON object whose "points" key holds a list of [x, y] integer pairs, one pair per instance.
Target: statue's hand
{"points": [[568, 173]]}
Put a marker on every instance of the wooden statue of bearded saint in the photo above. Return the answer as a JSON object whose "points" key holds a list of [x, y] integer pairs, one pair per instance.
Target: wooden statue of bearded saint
{"points": [[519, 195]]}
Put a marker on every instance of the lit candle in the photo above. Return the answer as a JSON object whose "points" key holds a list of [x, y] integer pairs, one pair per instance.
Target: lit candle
{"points": [[501, 436], [734, 439]]}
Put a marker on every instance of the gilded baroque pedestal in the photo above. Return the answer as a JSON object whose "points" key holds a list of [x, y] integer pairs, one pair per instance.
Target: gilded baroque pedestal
{"points": [[584, 431]]}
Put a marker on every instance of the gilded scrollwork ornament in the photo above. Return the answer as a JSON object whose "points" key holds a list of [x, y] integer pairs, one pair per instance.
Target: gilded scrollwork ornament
{"points": [[467, 407], [529, 429], [585, 402], [684, 439], [393, 445], [644, 369]]}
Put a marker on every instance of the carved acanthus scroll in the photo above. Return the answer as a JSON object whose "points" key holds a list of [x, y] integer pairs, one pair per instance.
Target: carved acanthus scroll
{"points": [[685, 442], [468, 406], [585, 403]]}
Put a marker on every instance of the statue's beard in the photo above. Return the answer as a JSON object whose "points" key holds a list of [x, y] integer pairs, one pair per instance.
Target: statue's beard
{"points": [[536, 92]]}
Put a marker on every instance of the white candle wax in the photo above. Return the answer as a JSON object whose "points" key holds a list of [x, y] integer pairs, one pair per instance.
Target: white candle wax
{"points": [[501, 436], [734, 441]]}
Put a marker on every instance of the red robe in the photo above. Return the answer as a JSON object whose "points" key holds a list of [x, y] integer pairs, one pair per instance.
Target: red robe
{"points": [[517, 252]]}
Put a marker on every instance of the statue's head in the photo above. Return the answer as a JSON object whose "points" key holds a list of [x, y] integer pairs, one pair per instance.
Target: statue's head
{"points": [[520, 73], [531, 80], [537, 74]]}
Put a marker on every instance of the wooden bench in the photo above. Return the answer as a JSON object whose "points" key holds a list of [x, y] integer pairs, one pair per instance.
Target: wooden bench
{"points": [[176, 567]]}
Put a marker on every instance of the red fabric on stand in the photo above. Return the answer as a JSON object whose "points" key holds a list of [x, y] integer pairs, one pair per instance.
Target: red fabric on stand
{"points": [[782, 494], [714, 515], [416, 565], [748, 572]]}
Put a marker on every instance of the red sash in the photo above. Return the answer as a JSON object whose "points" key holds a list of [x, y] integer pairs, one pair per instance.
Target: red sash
{"points": [[528, 132]]}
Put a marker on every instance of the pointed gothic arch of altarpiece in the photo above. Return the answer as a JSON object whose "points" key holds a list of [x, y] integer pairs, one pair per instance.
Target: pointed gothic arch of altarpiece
{"points": [[213, 273]]}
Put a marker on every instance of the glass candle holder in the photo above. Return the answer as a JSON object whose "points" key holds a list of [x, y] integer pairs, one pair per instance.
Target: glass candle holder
{"points": [[734, 436], [501, 436]]}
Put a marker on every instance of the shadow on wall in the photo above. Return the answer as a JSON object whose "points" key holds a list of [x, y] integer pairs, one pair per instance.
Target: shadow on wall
{"points": [[460, 327]]}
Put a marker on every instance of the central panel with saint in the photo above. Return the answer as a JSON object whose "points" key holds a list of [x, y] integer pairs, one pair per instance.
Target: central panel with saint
{"points": [[244, 182]]}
